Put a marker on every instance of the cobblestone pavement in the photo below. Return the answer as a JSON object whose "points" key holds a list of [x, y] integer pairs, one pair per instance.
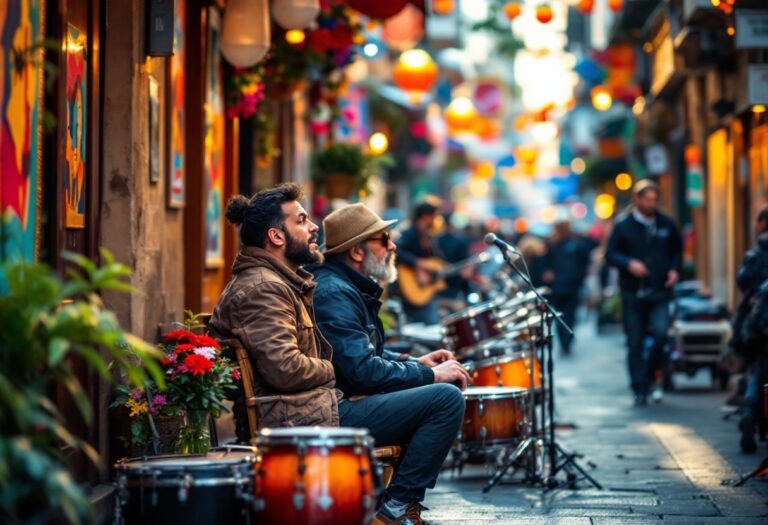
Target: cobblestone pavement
{"points": [[670, 463]]}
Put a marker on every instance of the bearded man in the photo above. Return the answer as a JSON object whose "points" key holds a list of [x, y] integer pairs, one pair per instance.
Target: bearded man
{"points": [[267, 309], [400, 400]]}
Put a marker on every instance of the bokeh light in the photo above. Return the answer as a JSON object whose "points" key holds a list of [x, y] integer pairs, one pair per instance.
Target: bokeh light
{"points": [[378, 143], [623, 181]]}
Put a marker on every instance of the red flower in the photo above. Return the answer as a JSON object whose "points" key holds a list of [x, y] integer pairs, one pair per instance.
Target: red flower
{"points": [[184, 347], [179, 336], [204, 340], [341, 37], [197, 364], [236, 374], [320, 40]]}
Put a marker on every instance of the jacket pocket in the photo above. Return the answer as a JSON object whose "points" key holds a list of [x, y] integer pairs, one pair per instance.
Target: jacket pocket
{"points": [[317, 407]]}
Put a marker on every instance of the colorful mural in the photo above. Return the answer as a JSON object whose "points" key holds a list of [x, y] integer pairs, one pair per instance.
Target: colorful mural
{"points": [[214, 146], [154, 130], [75, 148], [176, 189], [21, 32]]}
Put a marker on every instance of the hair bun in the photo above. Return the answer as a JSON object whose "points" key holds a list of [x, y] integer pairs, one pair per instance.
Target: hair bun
{"points": [[237, 209]]}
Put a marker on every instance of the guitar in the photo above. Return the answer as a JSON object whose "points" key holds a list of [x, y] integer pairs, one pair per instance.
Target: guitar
{"points": [[419, 294]]}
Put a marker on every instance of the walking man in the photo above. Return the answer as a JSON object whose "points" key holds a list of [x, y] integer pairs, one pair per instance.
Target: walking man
{"points": [[646, 247], [400, 400]]}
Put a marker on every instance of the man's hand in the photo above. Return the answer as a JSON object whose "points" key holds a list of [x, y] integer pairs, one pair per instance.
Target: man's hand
{"points": [[637, 268], [423, 272], [452, 372], [433, 359], [672, 278]]}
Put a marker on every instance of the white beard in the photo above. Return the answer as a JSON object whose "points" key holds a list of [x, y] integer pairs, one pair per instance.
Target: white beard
{"points": [[384, 272]]}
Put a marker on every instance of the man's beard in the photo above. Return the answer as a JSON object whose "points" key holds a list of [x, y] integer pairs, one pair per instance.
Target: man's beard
{"points": [[299, 253], [385, 272]]}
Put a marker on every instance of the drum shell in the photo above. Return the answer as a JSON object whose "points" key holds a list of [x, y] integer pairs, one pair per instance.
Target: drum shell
{"points": [[339, 485], [472, 329], [510, 371], [494, 418]]}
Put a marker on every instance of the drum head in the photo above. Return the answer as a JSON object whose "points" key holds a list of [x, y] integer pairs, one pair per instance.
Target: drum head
{"points": [[491, 392], [214, 458], [471, 311], [313, 436], [498, 360]]}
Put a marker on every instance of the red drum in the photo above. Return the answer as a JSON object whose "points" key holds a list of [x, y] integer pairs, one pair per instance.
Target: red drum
{"points": [[315, 475], [494, 415], [472, 329], [509, 370]]}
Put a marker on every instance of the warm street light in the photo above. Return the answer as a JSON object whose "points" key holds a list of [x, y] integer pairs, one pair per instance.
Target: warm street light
{"points": [[604, 205], [415, 71], [295, 14], [623, 181], [601, 98], [578, 165], [461, 115], [544, 13], [378, 143], [245, 34], [295, 36], [512, 10], [758, 108], [443, 7]]}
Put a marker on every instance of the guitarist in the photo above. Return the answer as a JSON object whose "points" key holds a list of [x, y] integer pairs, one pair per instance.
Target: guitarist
{"points": [[417, 244]]}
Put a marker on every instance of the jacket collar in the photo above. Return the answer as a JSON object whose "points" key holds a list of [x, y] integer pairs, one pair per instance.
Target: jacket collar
{"points": [[366, 285], [253, 257]]}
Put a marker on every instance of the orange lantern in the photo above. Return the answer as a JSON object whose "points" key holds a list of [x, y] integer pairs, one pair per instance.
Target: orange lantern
{"points": [[404, 29], [512, 10], [615, 5], [443, 7], [585, 6], [486, 129], [461, 115], [415, 71], [544, 13]]}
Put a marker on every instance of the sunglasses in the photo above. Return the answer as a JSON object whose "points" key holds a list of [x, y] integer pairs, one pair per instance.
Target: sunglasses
{"points": [[383, 239]]}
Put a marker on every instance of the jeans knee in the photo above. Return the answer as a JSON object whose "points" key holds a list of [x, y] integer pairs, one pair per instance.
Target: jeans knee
{"points": [[450, 399]]}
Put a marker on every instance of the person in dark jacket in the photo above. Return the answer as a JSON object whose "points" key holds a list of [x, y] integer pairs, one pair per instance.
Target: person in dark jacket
{"points": [[646, 247], [749, 340], [400, 400]]}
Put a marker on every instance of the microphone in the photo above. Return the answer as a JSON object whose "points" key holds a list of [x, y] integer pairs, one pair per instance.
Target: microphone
{"points": [[492, 239]]}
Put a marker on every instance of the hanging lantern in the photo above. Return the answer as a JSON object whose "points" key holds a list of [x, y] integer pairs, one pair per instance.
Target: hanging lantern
{"points": [[295, 14], [585, 6], [245, 36], [377, 8], [415, 71], [403, 30], [443, 7], [544, 13], [512, 10], [615, 5], [461, 115]]}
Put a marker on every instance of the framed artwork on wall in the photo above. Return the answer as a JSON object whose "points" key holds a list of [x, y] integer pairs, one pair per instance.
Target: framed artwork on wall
{"points": [[77, 134], [155, 149], [213, 129], [21, 90], [176, 173]]}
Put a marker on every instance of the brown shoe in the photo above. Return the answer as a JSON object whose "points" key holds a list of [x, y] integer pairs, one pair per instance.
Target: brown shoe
{"points": [[412, 516]]}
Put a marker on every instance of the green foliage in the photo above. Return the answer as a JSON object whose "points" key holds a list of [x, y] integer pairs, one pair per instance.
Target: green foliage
{"points": [[348, 159], [45, 324]]}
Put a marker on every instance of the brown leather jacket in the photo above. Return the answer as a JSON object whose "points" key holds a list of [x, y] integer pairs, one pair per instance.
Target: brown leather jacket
{"points": [[267, 307]]}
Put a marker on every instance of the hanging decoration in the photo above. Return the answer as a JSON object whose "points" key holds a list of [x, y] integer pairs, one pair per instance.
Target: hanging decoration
{"points": [[245, 91], [415, 71], [377, 9], [544, 13], [443, 7], [585, 6], [615, 5], [405, 29], [461, 115], [245, 35], [512, 10], [295, 14]]}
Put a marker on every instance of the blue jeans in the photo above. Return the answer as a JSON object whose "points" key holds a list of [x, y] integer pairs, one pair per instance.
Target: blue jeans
{"points": [[643, 318], [426, 418], [753, 397]]}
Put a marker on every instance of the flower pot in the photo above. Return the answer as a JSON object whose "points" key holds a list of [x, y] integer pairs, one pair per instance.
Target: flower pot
{"points": [[339, 186], [195, 435]]}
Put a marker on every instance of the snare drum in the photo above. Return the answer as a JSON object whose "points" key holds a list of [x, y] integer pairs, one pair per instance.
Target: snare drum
{"points": [[494, 415], [472, 329], [212, 488], [509, 370], [316, 475]]}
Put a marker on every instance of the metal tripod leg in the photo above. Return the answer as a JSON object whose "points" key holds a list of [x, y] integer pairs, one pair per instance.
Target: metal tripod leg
{"points": [[570, 460], [759, 470], [518, 452]]}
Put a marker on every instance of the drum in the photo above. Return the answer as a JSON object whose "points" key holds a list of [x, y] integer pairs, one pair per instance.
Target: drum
{"points": [[494, 416], [316, 475], [212, 488], [508, 370], [472, 329]]}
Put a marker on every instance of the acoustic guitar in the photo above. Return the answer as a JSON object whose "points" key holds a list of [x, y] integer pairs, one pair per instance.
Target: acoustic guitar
{"points": [[419, 294]]}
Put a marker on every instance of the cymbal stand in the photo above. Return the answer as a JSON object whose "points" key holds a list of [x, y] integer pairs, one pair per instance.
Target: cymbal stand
{"points": [[559, 459]]}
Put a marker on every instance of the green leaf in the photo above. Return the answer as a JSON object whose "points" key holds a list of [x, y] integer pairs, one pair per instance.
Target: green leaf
{"points": [[57, 349]]}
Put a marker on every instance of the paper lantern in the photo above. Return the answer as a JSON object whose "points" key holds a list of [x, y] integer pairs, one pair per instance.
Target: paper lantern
{"points": [[585, 6], [544, 13], [512, 10], [460, 115], [615, 5], [403, 30], [245, 36], [443, 7], [415, 71], [295, 14], [377, 8]]}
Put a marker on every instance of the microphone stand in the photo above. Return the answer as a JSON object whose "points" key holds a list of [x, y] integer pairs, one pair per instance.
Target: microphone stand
{"points": [[547, 314]]}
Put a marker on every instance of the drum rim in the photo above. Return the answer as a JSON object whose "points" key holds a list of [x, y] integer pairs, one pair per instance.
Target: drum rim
{"points": [[497, 360], [481, 345], [313, 432], [473, 311], [182, 461], [511, 391]]}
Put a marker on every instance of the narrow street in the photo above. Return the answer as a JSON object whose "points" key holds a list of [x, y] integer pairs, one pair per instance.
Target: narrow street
{"points": [[673, 462]]}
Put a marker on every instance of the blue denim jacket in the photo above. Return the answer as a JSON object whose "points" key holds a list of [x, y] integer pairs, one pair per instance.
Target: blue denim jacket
{"points": [[347, 311]]}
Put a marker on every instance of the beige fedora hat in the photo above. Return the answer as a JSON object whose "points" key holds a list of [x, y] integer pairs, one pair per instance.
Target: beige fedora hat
{"points": [[350, 225]]}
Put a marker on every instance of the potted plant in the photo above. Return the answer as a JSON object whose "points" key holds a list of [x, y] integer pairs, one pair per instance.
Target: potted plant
{"points": [[342, 168], [46, 327]]}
